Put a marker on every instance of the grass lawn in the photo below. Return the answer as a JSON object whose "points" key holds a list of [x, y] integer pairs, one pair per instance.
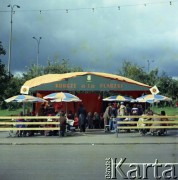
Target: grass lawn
{"points": [[9, 113], [170, 111]]}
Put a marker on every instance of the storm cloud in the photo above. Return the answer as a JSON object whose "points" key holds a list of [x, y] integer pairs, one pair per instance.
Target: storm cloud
{"points": [[95, 35]]}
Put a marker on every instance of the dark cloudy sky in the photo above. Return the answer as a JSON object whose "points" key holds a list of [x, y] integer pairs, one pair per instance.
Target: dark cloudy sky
{"points": [[94, 34]]}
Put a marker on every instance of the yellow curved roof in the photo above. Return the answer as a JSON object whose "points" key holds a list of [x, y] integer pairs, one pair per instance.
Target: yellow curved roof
{"points": [[49, 78]]}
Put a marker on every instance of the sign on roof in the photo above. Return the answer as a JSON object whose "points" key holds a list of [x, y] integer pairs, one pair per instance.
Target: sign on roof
{"points": [[89, 83]]}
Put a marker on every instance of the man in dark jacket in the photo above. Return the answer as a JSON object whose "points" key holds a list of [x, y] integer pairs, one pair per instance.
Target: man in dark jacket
{"points": [[82, 114], [63, 122]]}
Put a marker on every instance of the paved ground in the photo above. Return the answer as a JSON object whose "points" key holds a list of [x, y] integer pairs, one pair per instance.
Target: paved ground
{"points": [[78, 162], [81, 155], [92, 137]]}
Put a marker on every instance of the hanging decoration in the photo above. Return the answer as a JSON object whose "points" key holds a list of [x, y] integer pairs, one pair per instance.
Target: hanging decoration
{"points": [[118, 7]]}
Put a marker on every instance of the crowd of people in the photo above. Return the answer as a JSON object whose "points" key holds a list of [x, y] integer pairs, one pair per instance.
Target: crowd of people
{"points": [[115, 112], [83, 120], [158, 119], [94, 120]]}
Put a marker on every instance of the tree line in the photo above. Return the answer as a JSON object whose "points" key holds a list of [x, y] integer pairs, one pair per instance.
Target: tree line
{"points": [[10, 85]]}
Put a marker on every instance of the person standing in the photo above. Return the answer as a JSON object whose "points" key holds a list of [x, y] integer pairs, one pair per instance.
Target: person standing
{"points": [[82, 114], [96, 120], [107, 115], [89, 120], [63, 123], [134, 112], [122, 109]]}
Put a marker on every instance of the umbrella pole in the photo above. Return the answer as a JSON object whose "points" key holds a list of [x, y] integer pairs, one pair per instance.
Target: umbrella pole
{"points": [[66, 109], [23, 108], [153, 106]]}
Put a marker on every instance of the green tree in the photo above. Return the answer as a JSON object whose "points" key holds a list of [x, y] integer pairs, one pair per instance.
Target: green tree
{"points": [[4, 78], [152, 77], [53, 67], [133, 71], [166, 84], [2, 50], [13, 89], [15, 84], [59, 67], [32, 72]]}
